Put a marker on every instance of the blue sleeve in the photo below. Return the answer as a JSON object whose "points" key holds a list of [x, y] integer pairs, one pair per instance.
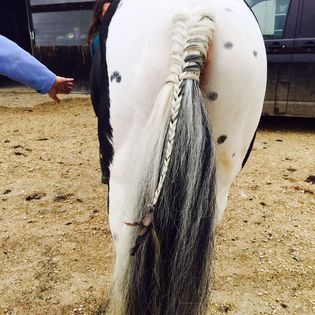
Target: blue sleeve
{"points": [[20, 66]]}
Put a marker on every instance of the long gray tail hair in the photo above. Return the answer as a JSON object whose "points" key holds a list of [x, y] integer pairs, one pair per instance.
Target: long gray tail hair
{"points": [[169, 269]]}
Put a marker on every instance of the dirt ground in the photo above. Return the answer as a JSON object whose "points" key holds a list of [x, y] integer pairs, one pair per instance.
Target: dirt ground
{"points": [[56, 253]]}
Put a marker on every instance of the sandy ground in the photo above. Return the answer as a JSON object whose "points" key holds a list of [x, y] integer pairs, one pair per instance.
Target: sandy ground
{"points": [[56, 253]]}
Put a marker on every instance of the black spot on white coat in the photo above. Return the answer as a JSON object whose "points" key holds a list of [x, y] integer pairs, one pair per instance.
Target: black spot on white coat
{"points": [[255, 53], [115, 76], [222, 139], [212, 96], [228, 45]]}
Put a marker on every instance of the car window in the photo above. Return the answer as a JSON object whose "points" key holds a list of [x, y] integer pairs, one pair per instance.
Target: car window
{"points": [[271, 15], [308, 20]]}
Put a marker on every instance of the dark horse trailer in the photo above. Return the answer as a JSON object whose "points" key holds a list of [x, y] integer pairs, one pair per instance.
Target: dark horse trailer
{"points": [[54, 31], [14, 24], [288, 27], [58, 33]]}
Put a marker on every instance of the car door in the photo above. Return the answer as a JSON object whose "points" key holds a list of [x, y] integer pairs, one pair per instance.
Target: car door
{"points": [[301, 99], [277, 20]]}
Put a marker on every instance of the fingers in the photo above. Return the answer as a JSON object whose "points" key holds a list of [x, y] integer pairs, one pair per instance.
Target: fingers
{"points": [[69, 80], [64, 90], [56, 99], [53, 94], [65, 81], [62, 86]]}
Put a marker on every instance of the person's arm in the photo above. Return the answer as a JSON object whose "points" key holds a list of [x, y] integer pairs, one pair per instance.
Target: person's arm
{"points": [[20, 66]]}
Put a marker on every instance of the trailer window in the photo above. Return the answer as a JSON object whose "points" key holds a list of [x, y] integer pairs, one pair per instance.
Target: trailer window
{"points": [[68, 28], [271, 15]]}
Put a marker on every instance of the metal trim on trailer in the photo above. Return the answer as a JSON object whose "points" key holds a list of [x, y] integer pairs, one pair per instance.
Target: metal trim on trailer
{"points": [[88, 5]]}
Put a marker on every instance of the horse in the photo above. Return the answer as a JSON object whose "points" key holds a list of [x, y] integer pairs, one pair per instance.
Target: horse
{"points": [[185, 84]]}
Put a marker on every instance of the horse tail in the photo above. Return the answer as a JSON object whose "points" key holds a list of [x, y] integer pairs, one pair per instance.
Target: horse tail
{"points": [[169, 269]]}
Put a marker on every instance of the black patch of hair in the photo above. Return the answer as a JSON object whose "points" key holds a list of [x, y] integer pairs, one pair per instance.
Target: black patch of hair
{"points": [[115, 76], [212, 96], [228, 45], [222, 139]]}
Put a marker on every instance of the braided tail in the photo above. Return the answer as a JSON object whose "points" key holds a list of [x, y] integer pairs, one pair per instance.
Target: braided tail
{"points": [[172, 245]]}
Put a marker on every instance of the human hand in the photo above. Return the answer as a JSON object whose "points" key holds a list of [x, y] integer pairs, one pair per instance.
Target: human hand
{"points": [[62, 86]]}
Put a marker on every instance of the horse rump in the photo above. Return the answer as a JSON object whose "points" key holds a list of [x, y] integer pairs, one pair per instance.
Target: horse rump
{"points": [[170, 267]]}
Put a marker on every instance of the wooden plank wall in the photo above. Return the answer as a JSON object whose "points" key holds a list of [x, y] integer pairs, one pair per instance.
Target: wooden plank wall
{"points": [[68, 61]]}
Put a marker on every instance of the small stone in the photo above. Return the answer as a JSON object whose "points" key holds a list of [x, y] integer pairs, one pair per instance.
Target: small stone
{"points": [[20, 153], [62, 197], [224, 308], [18, 146], [291, 169], [35, 196], [310, 179]]}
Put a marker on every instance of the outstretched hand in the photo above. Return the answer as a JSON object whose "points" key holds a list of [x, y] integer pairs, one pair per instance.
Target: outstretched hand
{"points": [[61, 86]]}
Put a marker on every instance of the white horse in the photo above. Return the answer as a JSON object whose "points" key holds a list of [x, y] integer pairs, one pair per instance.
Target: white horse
{"points": [[186, 87]]}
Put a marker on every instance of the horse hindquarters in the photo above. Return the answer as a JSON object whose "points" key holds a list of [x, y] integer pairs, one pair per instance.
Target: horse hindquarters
{"points": [[177, 251], [175, 192]]}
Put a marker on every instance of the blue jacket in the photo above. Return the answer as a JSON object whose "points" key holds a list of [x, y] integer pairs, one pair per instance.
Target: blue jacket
{"points": [[20, 66], [94, 45]]}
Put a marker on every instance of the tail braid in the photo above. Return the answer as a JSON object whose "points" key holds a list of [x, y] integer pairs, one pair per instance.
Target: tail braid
{"points": [[191, 37]]}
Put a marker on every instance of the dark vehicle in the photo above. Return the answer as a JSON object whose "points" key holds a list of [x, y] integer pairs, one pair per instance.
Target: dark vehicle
{"points": [[288, 27]]}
